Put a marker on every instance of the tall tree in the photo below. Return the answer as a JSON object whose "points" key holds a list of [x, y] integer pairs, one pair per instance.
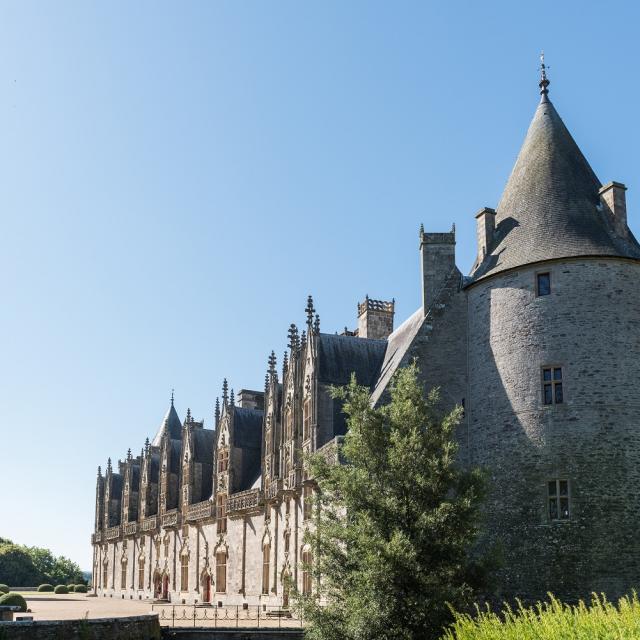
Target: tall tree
{"points": [[394, 523]]}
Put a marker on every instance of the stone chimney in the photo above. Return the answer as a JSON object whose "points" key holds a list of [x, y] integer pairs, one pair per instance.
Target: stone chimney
{"points": [[438, 253], [614, 202], [250, 399], [375, 318], [485, 227]]}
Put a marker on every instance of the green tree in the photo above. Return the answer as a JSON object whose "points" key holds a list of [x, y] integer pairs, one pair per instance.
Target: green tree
{"points": [[17, 568], [394, 523]]}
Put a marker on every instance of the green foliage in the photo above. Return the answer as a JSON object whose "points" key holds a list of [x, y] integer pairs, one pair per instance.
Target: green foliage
{"points": [[61, 588], [13, 599], [27, 566], [553, 621], [81, 588], [71, 588], [389, 566], [4, 588], [45, 587]]}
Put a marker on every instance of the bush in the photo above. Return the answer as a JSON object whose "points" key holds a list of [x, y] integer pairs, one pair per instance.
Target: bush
{"points": [[13, 599], [4, 588], [81, 588], [552, 621], [71, 587], [61, 588], [45, 587]]}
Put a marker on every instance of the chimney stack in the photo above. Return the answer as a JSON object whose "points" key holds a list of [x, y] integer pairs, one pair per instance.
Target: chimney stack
{"points": [[249, 399], [485, 227], [438, 252], [375, 319], [614, 201]]}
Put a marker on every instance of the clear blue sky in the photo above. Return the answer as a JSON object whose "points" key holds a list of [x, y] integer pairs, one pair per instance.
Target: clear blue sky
{"points": [[176, 178]]}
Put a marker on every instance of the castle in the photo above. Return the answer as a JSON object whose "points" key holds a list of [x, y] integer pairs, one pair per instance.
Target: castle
{"points": [[541, 346]]}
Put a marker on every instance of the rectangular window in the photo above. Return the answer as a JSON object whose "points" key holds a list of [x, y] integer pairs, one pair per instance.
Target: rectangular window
{"points": [[141, 575], [221, 572], [552, 385], [266, 554], [543, 284], [184, 572], [307, 560], [221, 513], [123, 576], [558, 499], [307, 493], [105, 575], [223, 460]]}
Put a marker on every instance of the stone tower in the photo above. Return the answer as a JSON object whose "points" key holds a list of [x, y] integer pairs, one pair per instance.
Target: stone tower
{"points": [[554, 361]]}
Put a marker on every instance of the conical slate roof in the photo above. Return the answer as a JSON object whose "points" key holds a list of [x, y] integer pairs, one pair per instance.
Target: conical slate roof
{"points": [[550, 206], [170, 424]]}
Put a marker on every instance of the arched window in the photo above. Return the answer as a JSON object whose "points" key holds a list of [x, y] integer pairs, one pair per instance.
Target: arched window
{"points": [[105, 574], [221, 572], [306, 419], [184, 572], [266, 557], [307, 561]]}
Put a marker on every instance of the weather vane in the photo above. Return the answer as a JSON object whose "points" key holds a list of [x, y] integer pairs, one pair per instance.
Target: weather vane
{"points": [[544, 82]]}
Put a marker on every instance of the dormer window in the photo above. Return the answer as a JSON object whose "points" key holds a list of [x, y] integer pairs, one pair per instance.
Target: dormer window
{"points": [[543, 284]]}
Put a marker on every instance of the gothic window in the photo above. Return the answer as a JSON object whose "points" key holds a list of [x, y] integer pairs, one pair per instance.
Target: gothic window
{"points": [[552, 385], [543, 284], [558, 498], [141, 574], [123, 575], [306, 424], [105, 575], [166, 547], [221, 572], [307, 560], [288, 421], [223, 460], [184, 572], [307, 506], [266, 556], [287, 541], [221, 512]]}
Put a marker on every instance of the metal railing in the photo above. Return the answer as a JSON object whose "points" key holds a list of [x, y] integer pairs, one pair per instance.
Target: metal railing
{"points": [[240, 616]]}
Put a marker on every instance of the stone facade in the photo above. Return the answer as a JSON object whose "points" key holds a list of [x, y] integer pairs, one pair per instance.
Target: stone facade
{"points": [[540, 345]]}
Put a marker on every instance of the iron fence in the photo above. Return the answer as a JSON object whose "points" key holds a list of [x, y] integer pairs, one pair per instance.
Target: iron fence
{"points": [[199, 615]]}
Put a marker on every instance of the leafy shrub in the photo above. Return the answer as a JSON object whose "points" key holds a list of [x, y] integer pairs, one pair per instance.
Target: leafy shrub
{"points": [[4, 588], [71, 587], [553, 620], [61, 588], [81, 588], [45, 587], [13, 599]]}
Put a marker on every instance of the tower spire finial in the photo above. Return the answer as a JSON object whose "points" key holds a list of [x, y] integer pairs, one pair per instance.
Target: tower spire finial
{"points": [[544, 81], [172, 390]]}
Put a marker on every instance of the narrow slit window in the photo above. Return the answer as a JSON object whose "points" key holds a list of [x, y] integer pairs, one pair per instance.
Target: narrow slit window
{"points": [[543, 284], [552, 391], [558, 499]]}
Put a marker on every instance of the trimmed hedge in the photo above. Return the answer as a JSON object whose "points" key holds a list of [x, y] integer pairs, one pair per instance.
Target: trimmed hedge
{"points": [[45, 587], [81, 588], [61, 588], [4, 588], [71, 587], [13, 599]]}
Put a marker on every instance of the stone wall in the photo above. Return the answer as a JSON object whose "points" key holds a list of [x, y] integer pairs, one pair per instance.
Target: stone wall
{"points": [[590, 326], [131, 628]]}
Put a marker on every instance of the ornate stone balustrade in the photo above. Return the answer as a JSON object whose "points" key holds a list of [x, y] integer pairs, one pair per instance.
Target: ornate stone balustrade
{"points": [[274, 489], [112, 533], [149, 524], [130, 529], [244, 500], [293, 480], [171, 519], [200, 511], [96, 537], [331, 451]]}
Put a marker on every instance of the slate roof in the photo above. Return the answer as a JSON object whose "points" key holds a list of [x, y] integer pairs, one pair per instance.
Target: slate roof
{"points": [[247, 428], [340, 356], [171, 424], [203, 445], [550, 206], [396, 348]]}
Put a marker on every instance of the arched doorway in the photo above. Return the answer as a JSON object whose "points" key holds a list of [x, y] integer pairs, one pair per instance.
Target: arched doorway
{"points": [[165, 587], [206, 587], [157, 585]]}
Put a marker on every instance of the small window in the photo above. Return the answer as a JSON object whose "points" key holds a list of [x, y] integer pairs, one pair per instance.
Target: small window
{"points": [[141, 574], [308, 502], [307, 561], [221, 513], [552, 392], [558, 499], [123, 575], [184, 572], [221, 572], [266, 558], [543, 284]]}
